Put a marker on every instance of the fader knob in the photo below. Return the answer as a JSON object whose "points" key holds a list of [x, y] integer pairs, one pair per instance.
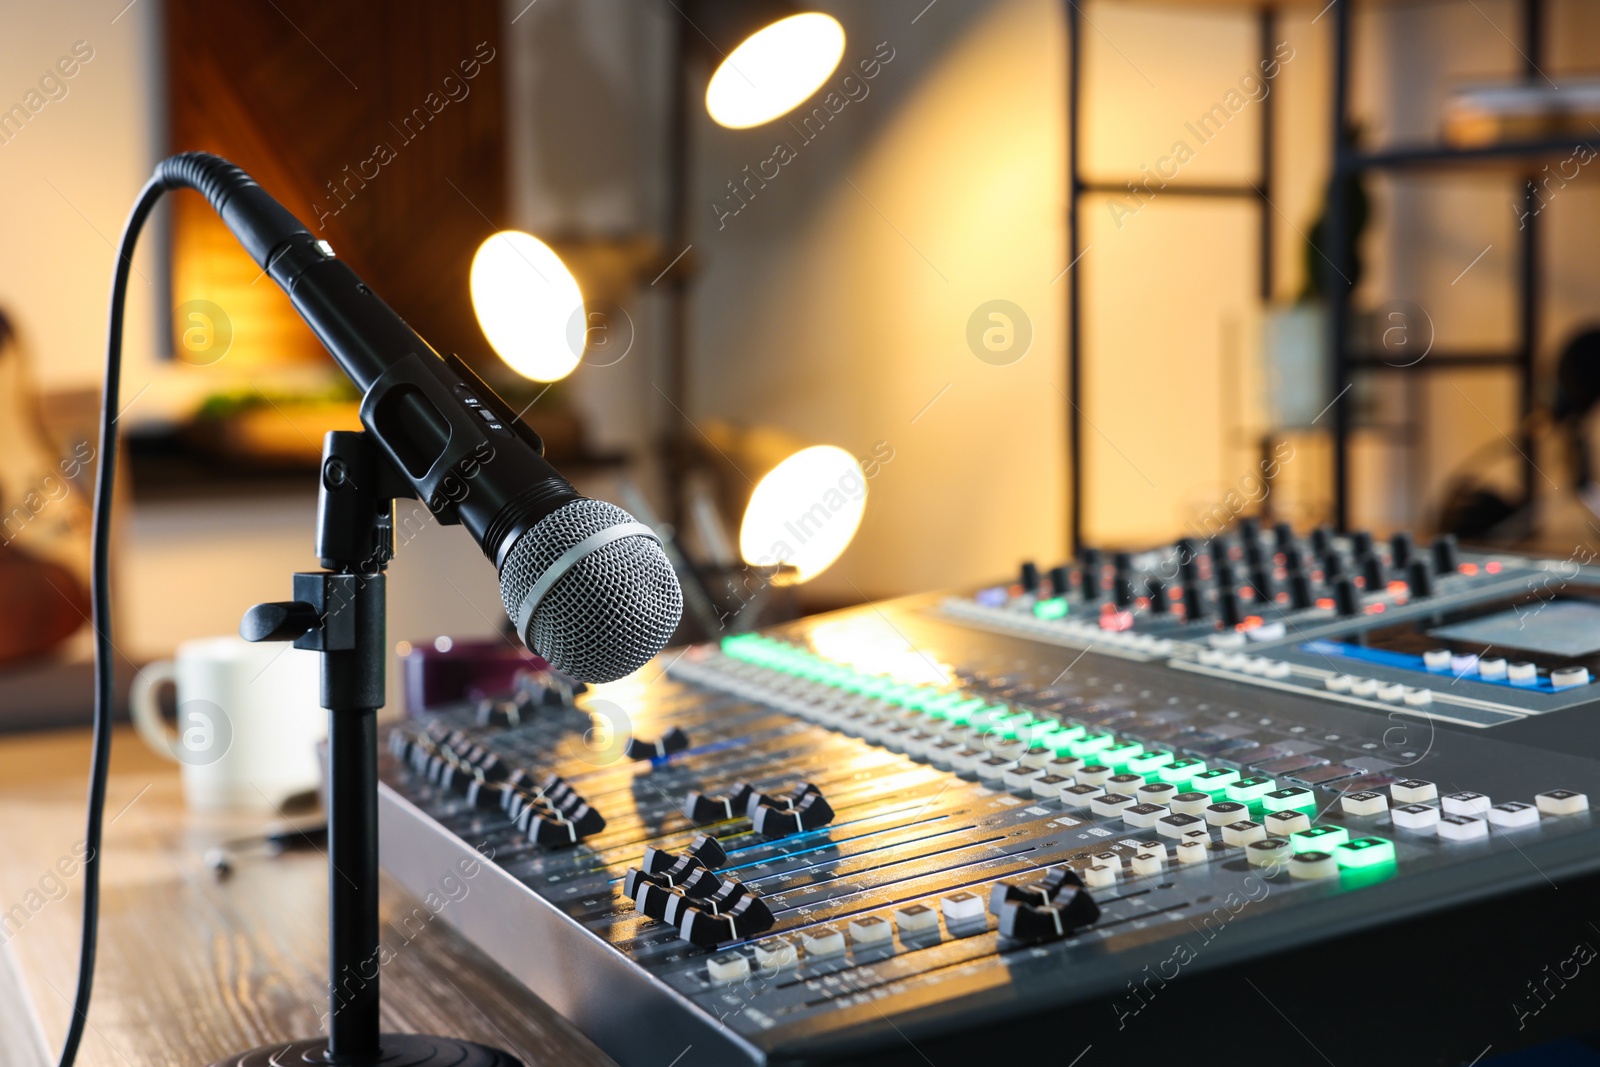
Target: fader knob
{"points": [[1400, 550], [1332, 566], [1345, 598], [1283, 536], [1300, 591], [1445, 557], [1219, 550], [1360, 543], [1029, 577], [1321, 540], [1420, 577], [1122, 590], [1261, 582]]}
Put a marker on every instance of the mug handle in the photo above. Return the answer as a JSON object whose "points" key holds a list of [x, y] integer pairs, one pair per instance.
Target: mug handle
{"points": [[146, 710]]}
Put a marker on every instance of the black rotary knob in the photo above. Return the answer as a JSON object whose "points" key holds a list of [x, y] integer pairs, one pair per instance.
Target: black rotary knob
{"points": [[1321, 540], [1156, 591], [1060, 580], [1332, 565], [1360, 543], [1283, 536], [1228, 606], [1345, 598], [1029, 577], [1400, 550], [1420, 577], [1446, 557], [1194, 604], [1372, 572], [1300, 591]]}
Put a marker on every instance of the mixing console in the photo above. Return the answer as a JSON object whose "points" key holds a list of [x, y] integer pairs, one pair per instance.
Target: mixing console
{"points": [[1097, 812]]}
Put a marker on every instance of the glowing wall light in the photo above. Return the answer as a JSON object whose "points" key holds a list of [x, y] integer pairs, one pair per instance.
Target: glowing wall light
{"points": [[774, 70], [804, 513], [524, 298]]}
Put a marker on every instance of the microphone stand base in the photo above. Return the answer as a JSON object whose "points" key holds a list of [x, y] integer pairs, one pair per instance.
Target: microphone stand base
{"points": [[397, 1050]]}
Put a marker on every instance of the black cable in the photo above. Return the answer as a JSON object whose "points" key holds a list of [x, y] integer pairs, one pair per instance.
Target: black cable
{"points": [[100, 596]]}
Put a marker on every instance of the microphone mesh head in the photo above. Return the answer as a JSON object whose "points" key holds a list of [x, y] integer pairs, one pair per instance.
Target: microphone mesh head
{"points": [[613, 610]]}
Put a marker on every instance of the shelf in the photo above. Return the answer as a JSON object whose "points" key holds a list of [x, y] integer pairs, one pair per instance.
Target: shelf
{"points": [[1440, 361], [1420, 156]]}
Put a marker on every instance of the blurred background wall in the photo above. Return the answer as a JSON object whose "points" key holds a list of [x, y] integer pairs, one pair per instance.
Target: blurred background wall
{"points": [[834, 304]]}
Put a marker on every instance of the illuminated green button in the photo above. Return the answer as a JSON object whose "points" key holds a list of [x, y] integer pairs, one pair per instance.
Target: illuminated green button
{"points": [[1093, 743], [1038, 732], [1119, 755], [1180, 771], [1322, 839], [1149, 762], [1054, 608], [1293, 798], [1214, 781], [1364, 852], [1249, 790]]}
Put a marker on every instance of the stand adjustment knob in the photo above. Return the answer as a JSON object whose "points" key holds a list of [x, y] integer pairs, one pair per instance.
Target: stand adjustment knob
{"points": [[280, 620]]}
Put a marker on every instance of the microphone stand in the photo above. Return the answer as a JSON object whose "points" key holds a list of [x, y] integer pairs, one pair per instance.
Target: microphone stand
{"points": [[340, 612]]}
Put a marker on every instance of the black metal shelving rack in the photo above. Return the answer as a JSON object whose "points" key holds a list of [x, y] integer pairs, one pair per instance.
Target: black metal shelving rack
{"points": [[1078, 187], [1349, 163]]}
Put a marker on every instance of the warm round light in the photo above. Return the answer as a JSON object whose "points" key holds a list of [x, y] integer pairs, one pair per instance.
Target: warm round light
{"points": [[525, 299], [804, 512], [774, 70]]}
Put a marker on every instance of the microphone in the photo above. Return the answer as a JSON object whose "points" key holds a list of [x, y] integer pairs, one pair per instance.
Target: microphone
{"points": [[587, 585]]}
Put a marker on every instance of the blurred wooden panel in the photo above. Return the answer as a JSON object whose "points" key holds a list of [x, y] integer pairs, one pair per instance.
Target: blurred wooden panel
{"points": [[379, 125]]}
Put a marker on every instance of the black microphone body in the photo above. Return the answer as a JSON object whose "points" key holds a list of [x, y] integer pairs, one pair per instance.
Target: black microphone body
{"points": [[468, 456]]}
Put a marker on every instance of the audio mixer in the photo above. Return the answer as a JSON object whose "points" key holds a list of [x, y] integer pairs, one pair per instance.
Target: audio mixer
{"points": [[1262, 796]]}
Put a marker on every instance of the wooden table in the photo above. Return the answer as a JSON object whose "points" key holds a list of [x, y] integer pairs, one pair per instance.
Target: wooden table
{"points": [[193, 968]]}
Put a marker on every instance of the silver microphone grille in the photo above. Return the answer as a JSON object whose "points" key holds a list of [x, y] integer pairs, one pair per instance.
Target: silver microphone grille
{"points": [[591, 591]]}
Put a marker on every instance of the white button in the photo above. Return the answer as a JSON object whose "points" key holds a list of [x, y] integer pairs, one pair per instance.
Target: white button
{"points": [[1110, 804], [1392, 692], [1094, 774], [728, 967], [1418, 817], [916, 919], [1461, 666], [1192, 852], [1143, 816], [1277, 669], [1178, 824], [1243, 832], [1235, 661], [1267, 631], [1364, 803], [1156, 792], [1562, 802], [1099, 875], [1210, 657], [1523, 673], [822, 941], [1080, 795], [1567, 677], [1048, 786], [1284, 823], [870, 930], [1413, 791], [1364, 687], [962, 908], [1436, 659], [1462, 828], [1493, 668], [1418, 697], [1230, 639], [775, 953], [1465, 803], [1190, 803], [1021, 777], [1267, 851], [1065, 766], [1226, 811], [1148, 863], [991, 769], [1513, 815], [1313, 865], [1339, 683]]}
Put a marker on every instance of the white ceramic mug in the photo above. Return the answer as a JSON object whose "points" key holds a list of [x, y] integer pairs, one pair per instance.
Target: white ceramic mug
{"points": [[248, 720]]}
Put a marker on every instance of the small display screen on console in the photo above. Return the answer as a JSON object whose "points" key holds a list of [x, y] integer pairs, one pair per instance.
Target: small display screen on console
{"points": [[1567, 628]]}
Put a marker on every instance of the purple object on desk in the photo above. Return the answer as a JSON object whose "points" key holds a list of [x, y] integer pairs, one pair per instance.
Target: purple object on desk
{"points": [[462, 670]]}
